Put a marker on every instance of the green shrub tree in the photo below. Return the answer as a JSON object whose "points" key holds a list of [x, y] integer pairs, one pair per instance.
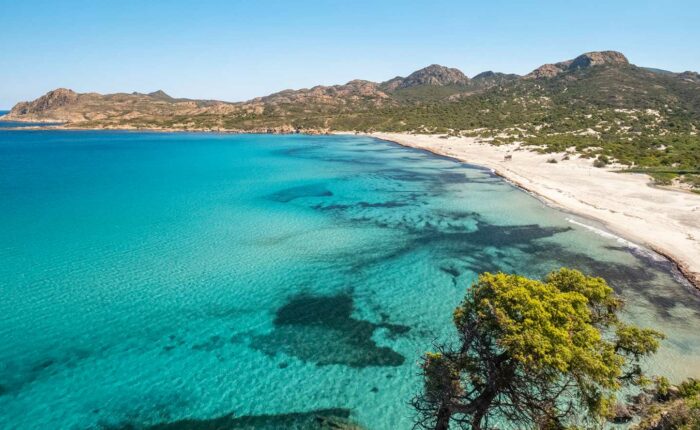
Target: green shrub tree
{"points": [[533, 354]]}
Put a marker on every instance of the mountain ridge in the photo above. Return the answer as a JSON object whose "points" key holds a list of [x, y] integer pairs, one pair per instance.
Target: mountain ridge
{"points": [[583, 61], [595, 99], [352, 95]]}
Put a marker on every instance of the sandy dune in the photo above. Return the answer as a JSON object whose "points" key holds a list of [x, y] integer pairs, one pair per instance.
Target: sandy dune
{"points": [[666, 221]]}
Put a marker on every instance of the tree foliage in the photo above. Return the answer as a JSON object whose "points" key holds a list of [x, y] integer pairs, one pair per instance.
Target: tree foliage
{"points": [[534, 354]]}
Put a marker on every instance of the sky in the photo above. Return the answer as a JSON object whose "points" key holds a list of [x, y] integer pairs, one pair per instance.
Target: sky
{"points": [[235, 50]]}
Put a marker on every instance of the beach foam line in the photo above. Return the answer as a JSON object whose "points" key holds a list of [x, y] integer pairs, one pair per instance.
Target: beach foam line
{"points": [[603, 233], [633, 246], [676, 273]]}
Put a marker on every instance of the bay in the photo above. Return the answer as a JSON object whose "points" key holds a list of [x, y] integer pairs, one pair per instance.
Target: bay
{"points": [[149, 278]]}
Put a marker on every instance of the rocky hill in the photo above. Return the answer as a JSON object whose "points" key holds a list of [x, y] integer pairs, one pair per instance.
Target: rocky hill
{"points": [[609, 79], [138, 109], [589, 59], [489, 78], [434, 75], [598, 103], [64, 105]]}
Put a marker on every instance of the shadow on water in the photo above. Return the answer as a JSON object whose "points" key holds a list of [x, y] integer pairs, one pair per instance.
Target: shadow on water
{"points": [[455, 235], [362, 205], [321, 330], [481, 246], [22, 374], [322, 419], [525, 250], [318, 152], [289, 194], [627, 280], [465, 243]]}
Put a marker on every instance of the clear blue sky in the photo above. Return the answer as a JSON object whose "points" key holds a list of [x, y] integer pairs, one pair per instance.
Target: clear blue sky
{"points": [[235, 50]]}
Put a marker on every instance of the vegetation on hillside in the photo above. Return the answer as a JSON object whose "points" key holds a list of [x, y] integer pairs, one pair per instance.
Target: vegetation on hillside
{"points": [[669, 407]]}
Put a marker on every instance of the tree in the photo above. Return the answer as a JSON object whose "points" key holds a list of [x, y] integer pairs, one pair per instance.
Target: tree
{"points": [[534, 354]]}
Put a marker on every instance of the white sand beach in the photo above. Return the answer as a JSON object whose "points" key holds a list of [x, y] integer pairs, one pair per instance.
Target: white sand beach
{"points": [[666, 221]]}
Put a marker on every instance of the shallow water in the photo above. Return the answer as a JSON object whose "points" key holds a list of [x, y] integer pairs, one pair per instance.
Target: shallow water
{"points": [[153, 278]]}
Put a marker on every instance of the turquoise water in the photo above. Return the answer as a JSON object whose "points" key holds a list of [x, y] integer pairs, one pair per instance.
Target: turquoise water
{"points": [[152, 278]]}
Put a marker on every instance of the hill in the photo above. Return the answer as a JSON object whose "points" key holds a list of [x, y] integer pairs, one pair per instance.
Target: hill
{"points": [[598, 104]]}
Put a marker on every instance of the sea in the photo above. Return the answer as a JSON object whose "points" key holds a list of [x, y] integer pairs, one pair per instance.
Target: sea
{"points": [[185, 280]]}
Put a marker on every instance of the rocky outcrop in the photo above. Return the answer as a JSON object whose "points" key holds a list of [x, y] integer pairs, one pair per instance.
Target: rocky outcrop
{"points": [[690, 76], [160, 95], [52, 100], [64, 105], [548, 70], [584, 61], [357, 93], [621, 414], [598, 59], [432, 75], [488, 79]]}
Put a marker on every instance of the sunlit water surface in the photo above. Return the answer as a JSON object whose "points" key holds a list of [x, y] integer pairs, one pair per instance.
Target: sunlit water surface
{"points": [[150, 278]]}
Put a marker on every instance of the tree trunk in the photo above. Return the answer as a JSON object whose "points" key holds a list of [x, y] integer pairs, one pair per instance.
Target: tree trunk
{"points": [[443, 418], [498, 379], [476, 419]]}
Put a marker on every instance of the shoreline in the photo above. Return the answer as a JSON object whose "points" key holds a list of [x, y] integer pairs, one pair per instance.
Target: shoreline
{"points": [[615, 200], [665, 226], [57, 126]]}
